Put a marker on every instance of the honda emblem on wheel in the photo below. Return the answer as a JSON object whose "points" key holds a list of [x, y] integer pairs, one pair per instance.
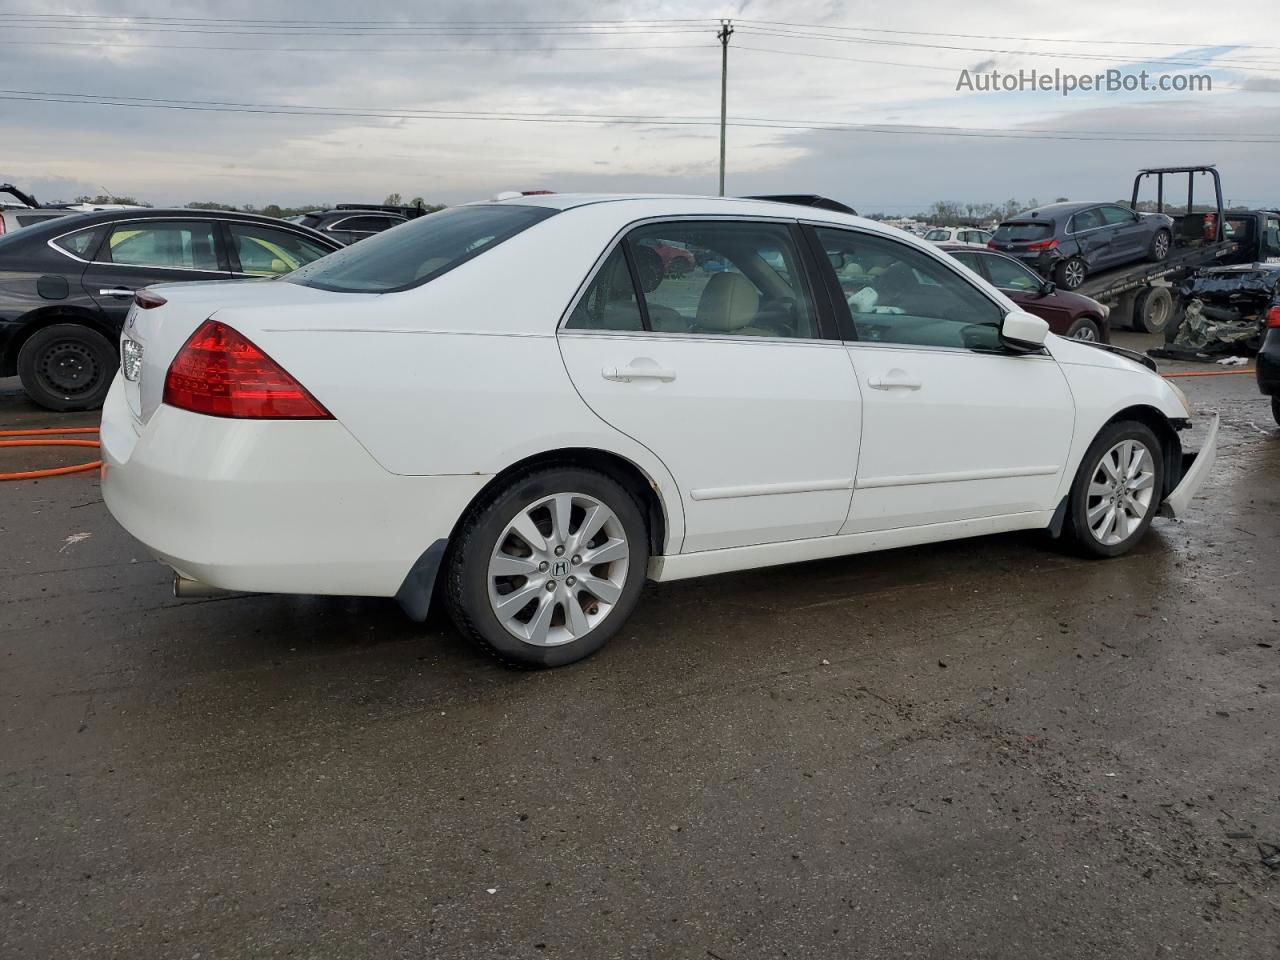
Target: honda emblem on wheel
{"points": [[560, 568]]}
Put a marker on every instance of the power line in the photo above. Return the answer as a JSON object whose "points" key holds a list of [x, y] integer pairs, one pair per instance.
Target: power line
{"points": [[936, 46], [606, 120], [377, 49]]}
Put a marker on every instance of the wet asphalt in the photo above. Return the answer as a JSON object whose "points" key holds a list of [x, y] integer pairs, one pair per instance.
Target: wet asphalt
{"points": [[983, 749]]}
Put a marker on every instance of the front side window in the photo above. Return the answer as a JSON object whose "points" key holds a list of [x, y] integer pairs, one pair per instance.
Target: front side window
{"points": [[424, 249], [1011, 275], [1117, 216], [897, 294], [1271, 239], [746, 280], [266, 252], [164, 243]]}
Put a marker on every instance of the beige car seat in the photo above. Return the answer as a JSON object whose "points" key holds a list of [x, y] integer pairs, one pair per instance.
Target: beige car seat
{"points": [[729, 304]]}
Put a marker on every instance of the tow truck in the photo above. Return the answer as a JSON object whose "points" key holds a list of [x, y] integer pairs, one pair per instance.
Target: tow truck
{"points": [[1142, 294]]}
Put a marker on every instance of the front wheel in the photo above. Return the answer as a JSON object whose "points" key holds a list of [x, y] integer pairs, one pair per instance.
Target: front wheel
{"points": [[1117, 490], [548, 568], [1086, 328], [67, 366], [1070, 274], [1159, 246]]}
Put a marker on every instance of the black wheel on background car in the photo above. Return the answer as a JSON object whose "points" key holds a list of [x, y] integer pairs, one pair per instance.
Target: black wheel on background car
{"points": [[1086, 328], [1153, 310], [1117, 489], [1070, 274], [1275, 408], [547, 569], [1160, 245], [67, 366]]}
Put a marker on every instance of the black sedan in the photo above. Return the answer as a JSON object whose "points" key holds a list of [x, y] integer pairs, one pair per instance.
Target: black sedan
{"points": [[67, 285]]}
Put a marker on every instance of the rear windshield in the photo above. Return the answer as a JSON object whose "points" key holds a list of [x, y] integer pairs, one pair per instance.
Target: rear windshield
{"points": [[1023, 232], [419, 250]]}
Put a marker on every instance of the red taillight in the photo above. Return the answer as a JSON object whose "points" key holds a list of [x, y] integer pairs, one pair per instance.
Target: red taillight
{"points": [[1, 226], [218, 372], [1043, 245], [1273, 317], [146, 300]]}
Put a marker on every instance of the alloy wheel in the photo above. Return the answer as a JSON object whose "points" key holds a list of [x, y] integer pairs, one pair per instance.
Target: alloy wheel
{"points": [[1162, 245], [1074, 272], [558, 569], [1086, 332], [1120, 492]]}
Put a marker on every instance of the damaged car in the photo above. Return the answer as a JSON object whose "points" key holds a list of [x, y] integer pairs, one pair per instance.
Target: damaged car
{"points": [[515, 406]]}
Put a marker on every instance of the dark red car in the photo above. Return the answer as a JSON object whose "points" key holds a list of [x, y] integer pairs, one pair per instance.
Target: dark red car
{"points": [[1068, 314]]}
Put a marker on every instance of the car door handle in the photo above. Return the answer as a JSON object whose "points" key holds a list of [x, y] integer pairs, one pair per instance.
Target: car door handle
{"points": [[627, 374], [115, 292], [893, 381]]}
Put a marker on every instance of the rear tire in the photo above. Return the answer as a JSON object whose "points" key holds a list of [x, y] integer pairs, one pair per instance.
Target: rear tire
{"points": [[1275, 408], [525, 543], [1070, 274], [1117, 490], [67, 366], [1153, 310]]}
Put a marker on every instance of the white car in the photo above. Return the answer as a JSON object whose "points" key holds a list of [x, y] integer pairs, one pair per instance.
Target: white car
{"points": [[970, 235], [513, 405]]}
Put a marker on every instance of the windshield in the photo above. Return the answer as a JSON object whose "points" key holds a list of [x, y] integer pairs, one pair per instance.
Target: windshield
{"points": [[1023, 232], [420, 250]]}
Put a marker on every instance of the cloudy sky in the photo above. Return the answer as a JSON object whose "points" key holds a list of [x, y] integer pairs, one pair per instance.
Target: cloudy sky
{"points": [[324, 101]]}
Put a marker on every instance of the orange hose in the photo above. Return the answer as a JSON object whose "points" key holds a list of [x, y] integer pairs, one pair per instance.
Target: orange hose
{"points": [[1211, 373], [49, 441]]}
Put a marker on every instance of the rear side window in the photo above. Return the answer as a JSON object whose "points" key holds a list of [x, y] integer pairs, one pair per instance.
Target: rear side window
{"points": [[421, 251], [1023, 232], [610, 302], [365, 224], [164, 243], [936, 235], [1085, 220]]}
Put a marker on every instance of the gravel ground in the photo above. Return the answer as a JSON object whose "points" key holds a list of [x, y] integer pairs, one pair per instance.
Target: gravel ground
{"points": [[980, 749]]}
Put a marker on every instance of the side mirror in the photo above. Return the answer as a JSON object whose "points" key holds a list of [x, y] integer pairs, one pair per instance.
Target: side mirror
{"points": [[1023, 331], [1047, 288]]}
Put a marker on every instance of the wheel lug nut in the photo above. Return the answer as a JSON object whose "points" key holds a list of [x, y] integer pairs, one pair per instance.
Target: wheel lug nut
{"points": [[559, 551], [577, 559], [570, 581], [543, 567], [551, 584]]}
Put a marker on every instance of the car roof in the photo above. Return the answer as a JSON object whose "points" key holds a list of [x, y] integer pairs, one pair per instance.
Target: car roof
{"points": [[60, 225], [1050, 210]]}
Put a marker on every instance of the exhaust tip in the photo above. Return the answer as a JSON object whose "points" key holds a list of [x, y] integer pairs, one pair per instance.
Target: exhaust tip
{"points": [[185, 588]]}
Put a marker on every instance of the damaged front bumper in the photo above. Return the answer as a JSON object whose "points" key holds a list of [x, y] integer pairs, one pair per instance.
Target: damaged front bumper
{"points": [[1195, 467]]}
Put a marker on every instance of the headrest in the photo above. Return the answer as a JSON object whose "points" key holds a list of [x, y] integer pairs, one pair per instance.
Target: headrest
{"points": [[729, 303]]}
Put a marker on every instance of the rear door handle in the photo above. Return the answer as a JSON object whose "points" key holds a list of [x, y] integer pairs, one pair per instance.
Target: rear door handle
{"points": [[893, 382], [115, 292], [627, 374]]}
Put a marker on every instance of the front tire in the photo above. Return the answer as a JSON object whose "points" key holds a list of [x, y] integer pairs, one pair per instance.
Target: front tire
{"points": [[67, 366], [1117, 490], [1070, 274], [1160, 245], [549, 567], [1086, 328]]}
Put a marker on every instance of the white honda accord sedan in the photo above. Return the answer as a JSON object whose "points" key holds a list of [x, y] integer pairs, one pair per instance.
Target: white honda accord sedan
{"points": [[527, 407]]}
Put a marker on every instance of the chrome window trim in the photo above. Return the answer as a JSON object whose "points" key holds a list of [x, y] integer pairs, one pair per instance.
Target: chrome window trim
{"points": [[337, 224], [561, 329]]}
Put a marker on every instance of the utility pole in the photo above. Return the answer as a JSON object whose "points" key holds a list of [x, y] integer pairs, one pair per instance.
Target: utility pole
{"points": [[726, 31]]}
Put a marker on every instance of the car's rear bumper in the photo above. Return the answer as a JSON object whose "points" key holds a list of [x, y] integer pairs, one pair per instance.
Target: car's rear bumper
{"points": [[271, 506], [1195, 468]]}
